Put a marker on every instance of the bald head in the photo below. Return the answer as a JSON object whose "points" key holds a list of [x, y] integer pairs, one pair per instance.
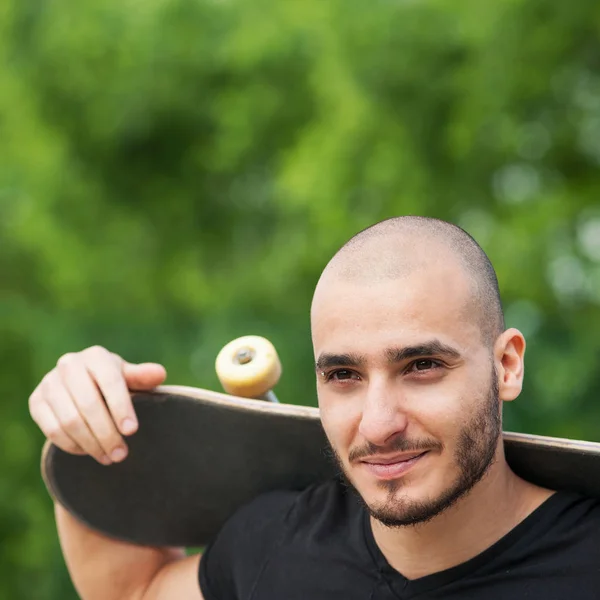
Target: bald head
{"points": [[401, 246]]}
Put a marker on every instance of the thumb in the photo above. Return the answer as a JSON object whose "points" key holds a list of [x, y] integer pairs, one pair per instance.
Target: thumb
{"points": [[143, 376]]}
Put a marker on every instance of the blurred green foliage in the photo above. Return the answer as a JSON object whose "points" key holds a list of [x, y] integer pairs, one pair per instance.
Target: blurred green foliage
{"points": [[176, 173]]}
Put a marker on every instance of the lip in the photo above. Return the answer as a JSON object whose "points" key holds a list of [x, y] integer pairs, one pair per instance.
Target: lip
{"points": [[388, 460], [392, 467]]}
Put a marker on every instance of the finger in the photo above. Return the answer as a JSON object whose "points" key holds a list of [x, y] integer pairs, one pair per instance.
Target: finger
{"points": [[106, 370], [91, 406], [69, 418], [45, 419], [143, 376]]}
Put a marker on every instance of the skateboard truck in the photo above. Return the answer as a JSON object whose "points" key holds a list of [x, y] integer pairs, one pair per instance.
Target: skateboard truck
{"points": [[249, 367]]}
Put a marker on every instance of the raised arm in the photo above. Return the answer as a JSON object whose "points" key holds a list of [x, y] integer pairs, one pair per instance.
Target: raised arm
{"points": [[105, 569], [84, 407]]}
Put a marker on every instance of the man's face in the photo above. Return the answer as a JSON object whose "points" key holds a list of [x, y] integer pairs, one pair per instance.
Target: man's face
{"points": [[407, 390]]}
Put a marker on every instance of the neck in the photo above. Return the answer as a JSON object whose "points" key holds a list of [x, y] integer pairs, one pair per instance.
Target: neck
{"points": [[488, 512]]}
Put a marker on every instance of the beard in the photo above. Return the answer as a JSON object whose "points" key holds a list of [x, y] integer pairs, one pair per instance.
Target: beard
{"points": [[474, 455]]}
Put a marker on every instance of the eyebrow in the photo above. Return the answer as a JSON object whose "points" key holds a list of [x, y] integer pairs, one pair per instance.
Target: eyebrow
{"points": [[394, 355], [339, 360], [430, 348]]}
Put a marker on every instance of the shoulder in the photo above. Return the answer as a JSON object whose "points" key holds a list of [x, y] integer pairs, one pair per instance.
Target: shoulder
{"points": [[235, 558], [568, 525], [254, 528], [231, 561], [577, 514], [566, 549], [574, 510]]}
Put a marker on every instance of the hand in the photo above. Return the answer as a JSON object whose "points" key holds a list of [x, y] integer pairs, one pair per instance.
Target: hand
{"points": [[83, 405]]}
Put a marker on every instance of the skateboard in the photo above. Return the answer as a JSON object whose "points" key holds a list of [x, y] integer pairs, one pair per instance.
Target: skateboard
{"points": [[199, 455]]}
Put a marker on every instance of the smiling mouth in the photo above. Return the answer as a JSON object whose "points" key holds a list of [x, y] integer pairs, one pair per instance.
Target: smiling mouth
{"points": [[392, 467], [390, 460]]}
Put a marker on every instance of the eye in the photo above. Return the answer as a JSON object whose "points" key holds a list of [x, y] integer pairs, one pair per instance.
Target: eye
{"points": [[423, 365], [341, 375]]}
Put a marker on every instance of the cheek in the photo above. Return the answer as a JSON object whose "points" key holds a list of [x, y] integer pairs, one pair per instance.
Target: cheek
{"points": [[437, 409], [447, 415], [439, 413], [340, 421]]}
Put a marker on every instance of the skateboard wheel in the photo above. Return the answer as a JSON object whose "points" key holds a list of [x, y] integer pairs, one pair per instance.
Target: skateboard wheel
{"points": [[248, 367]]}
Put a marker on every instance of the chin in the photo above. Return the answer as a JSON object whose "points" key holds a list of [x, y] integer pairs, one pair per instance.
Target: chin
{"points": [[399, 492], [409, 503], [405, 502], [376, 491]]}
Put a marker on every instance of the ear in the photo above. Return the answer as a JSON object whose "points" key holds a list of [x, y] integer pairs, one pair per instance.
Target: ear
{"points": [[509, 352]]}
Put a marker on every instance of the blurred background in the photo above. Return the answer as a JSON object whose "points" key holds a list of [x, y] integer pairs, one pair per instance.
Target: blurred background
{"points": [[176, 173]]}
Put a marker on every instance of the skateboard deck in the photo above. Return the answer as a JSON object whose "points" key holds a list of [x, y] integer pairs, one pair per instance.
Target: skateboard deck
{"points": [[199, 455]]}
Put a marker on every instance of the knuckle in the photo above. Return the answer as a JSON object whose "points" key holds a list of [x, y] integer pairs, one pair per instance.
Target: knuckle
{"points": [[71, 423], [107, 436], [35, 411], [112, 442], [117, 359], [94, 449], [35, 417], [34, 401], [50, 390], [69, 446], [88, 403], [53, 433], [48, 382], [96, 350], [58, 437], [107, 447], [53, 396], [111, 382], [66, 360], [113, 379], [48, 379]]}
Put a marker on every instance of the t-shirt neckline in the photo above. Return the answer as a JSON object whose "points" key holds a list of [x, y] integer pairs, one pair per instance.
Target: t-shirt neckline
{"points": [[407, 588]]}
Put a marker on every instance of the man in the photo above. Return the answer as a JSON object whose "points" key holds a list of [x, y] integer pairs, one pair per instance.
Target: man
{"points": [[413, 364]]}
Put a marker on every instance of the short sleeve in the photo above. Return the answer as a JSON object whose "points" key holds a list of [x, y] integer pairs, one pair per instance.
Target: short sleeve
{"points": [[231, 563]]}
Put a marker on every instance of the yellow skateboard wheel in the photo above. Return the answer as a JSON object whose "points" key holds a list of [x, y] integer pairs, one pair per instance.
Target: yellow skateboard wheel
{"points": [[248, 367]]}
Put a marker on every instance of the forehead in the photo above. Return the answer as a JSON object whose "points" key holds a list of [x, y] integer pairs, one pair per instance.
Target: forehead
{"points": [[370, 315]]}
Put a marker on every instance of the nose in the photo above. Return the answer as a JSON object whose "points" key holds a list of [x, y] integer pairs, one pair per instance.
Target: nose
{"points": [[383, 415]]}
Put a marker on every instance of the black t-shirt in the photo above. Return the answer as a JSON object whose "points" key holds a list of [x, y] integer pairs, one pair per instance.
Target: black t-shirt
{"points": [[318, 544]]}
